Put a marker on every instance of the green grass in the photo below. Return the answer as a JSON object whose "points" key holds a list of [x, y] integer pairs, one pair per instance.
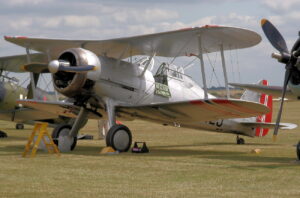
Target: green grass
{"points": [[181, 163]]}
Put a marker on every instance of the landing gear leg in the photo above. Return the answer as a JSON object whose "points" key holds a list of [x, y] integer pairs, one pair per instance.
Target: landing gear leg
{"points": [[118, 136], [65, 136], [240, 140]]}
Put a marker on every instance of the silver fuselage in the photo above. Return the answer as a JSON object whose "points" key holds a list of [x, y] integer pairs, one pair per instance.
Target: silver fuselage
{"points": [[122, 82]]}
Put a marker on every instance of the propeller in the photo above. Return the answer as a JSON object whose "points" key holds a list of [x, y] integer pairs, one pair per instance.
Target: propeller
{"points": [[285, 57], [61, 65]]}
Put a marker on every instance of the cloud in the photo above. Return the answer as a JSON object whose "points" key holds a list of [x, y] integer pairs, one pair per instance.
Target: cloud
{"points": [[281, 6], [25, 2], [81, 21]]}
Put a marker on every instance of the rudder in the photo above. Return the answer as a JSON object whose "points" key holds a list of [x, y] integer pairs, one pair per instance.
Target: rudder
{"points": [[266, 100]]}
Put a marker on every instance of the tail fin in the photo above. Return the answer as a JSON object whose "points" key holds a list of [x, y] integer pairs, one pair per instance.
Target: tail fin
{"points": [[265, 100], [267, 118]]}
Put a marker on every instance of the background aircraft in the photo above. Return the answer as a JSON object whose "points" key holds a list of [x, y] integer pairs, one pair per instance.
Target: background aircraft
{"points": [[103, 86], [10, 110]]}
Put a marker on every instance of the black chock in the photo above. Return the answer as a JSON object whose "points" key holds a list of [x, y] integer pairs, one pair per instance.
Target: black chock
{"points": [[140, 149]]}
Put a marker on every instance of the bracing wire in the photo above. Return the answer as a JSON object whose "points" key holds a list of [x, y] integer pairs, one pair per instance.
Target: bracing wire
{"points": [[213, 68], [238, 65], [231, 64]]}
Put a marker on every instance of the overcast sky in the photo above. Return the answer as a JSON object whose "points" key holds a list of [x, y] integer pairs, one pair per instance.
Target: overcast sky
{"points": [[96, 19]]}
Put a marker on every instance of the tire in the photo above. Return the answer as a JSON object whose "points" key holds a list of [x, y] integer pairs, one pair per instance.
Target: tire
{"points": [[298, 150], [19, 126], [240, 141], [59, 133], [119, 138], [3, 135]]}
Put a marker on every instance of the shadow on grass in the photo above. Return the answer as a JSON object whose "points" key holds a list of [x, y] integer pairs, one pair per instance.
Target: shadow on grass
{"points": [[216, 144], [256, 161]]}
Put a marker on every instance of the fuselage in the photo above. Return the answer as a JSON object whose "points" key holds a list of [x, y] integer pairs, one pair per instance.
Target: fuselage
{"points": [[123, 82]]}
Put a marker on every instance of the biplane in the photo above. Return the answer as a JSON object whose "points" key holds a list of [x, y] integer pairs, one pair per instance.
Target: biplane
{"points": [[100, 84]]}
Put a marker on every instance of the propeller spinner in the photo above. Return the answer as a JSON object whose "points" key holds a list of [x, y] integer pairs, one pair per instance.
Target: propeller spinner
{"points": [[61, 65]]}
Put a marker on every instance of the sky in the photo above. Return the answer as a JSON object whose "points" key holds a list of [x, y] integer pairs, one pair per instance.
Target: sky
{"points": [[104, 19]]}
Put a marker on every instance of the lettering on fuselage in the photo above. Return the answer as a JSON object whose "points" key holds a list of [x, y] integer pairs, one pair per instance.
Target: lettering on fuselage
{"points": [[218, 123]]}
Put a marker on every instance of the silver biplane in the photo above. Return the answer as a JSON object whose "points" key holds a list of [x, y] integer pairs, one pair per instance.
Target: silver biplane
{"points": [[100, 84]]}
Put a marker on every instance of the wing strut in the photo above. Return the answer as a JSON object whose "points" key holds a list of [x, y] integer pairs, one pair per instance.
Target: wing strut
{"points": [[33, 81], [200, 56], [50, 59], [148, 63], [224, 70]]}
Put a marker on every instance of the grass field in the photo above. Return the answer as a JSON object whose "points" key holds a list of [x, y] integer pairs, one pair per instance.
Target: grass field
{"points": [[181, 163]]}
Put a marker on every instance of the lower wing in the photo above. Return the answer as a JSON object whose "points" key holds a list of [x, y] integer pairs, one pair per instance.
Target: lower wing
{"points": [[180, 112]]}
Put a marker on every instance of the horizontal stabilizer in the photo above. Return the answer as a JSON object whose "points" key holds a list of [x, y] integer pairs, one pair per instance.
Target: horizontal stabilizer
{"points": [[284, 126]]}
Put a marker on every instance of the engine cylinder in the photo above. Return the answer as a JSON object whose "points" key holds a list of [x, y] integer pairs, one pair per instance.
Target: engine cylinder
{"points": [[75, 84]]}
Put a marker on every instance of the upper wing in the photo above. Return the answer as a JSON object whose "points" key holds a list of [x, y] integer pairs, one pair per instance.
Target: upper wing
{"points": [[16, 63], [275, 91], [169, 44], [194, 111]]}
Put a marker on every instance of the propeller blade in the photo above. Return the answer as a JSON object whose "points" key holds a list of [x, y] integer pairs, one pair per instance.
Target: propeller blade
{"points": [[77, 69], [274, 36], [59, 65], [286, 80], [36, 67]]}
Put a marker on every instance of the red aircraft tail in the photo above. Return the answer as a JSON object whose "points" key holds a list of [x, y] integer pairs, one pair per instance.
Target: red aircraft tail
{"points": [[267, 118]]}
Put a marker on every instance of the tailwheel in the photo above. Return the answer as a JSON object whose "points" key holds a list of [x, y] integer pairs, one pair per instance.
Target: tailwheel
{"points": [[62, 138], [240, 140], [119, 138], [19, 126]]}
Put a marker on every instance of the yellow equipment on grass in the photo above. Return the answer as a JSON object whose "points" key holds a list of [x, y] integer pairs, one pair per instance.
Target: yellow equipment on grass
{"points": [[42, 133]]}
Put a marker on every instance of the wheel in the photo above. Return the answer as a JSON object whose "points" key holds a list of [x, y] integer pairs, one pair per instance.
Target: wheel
{"points": [[119, 138], [3, 135], [19, 126], [240, 140], [298, 150], [62, 139]]}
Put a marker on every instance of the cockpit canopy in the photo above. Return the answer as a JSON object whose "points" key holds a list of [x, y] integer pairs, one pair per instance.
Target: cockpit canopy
{"points": [[170, 70]]}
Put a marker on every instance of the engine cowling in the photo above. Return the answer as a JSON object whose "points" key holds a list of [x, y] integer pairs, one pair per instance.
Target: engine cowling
{"points": [[75, 84]]}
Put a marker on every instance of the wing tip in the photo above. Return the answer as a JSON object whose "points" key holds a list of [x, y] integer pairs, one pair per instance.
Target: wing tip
{"points": [[15, 37]]}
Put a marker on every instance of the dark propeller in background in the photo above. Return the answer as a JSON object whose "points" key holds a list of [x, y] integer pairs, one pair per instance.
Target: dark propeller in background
{"points": [[285, 57]]}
